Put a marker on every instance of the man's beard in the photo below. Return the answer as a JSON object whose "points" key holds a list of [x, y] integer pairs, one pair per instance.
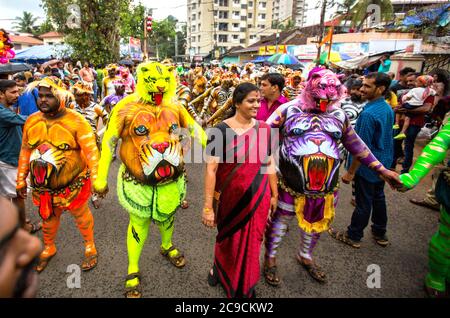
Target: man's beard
{"points": [[355, 98], [22, 283]]}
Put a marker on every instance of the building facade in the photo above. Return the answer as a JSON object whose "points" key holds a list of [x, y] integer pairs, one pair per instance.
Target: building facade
{"points": [[294, 10], [215, 26]]}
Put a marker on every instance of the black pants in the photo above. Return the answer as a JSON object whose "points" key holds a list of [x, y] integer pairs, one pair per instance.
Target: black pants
{"points": [[369, 198]]}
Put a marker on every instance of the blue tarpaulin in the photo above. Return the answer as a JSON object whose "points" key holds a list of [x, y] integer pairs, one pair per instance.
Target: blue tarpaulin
{"points": [[42, 53], [438, 15], [261, 59]]}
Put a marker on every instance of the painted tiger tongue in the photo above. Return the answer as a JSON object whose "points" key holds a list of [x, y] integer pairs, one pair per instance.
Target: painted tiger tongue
{"points": [[158, 98], [323, 104]]}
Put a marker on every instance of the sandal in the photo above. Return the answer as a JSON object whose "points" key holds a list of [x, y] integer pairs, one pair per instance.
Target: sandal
{"points": [[424, 204], [177, 260], [314, 270], [342, 236], [213, 279], [135, 291], [89, 262], [35, 227], [271, 275], [184, 204], [42, 263]]}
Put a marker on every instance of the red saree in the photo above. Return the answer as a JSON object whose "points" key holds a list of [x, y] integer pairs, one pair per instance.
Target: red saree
{"points": [[243, 210]]}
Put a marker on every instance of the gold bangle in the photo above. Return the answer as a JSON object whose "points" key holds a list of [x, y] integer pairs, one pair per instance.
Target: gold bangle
{"points": [[207, 210]]}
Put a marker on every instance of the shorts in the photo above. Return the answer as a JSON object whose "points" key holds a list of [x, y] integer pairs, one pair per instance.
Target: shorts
{"points": [[8, 180]]}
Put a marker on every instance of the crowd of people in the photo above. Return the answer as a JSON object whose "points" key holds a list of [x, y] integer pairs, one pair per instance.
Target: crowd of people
{"points": [[53, 146]]}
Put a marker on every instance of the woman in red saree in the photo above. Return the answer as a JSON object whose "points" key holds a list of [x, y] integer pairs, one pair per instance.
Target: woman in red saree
{"points": [[239, 166]]}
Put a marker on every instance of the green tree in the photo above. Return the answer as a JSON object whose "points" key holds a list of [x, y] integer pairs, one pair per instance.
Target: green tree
{"points": [[132, 22], [45, 27], [163, 37], [25, 23], [360, 14], [344, 10], [96, 38]]}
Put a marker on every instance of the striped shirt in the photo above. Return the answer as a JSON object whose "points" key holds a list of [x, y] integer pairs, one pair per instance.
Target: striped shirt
{"points": [[92, 113]]}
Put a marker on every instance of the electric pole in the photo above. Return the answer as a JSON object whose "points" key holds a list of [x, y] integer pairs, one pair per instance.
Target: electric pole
{"points": [[322, 28]]}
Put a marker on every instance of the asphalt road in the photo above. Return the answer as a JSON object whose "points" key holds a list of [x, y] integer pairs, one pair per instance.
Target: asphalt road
{"points": [[403, 264]]}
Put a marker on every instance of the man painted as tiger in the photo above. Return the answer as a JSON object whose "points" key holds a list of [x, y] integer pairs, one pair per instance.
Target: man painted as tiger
{"points": [[311, 128], [151, 183], [60, 154]]}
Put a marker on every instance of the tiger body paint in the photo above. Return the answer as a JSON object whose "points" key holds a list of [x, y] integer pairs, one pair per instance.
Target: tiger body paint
{"points": [[61, 156], [151, 183], [311, 129]]}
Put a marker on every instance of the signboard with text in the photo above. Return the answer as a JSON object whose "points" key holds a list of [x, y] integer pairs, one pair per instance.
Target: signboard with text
{"points": [[135, 48]]}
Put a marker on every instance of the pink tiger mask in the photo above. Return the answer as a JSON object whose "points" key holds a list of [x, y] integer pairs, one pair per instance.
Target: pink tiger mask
{"points": [[323, 91]]}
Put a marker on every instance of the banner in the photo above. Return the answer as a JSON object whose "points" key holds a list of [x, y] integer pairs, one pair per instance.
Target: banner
{"points": [[135, 48], [262, 50]]}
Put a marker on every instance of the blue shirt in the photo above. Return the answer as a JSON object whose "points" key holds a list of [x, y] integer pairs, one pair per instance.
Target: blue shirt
{"points": [[27, 103], [374, 126], [11, 126]]}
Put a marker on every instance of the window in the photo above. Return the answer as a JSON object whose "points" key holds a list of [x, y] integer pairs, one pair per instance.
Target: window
{"points": [[215, 13], [261, 26], [193, 16], [242, 41], [262, 16], [194, 6], [198, 38], [223, 3], [235, 37], [235, 25], [199, 15], [236, 2], [193, 39], [250, 4], [223, 14], [223, 26], [250, 15], [235, 14], [223, 38], [262, 5], [193, 29]]}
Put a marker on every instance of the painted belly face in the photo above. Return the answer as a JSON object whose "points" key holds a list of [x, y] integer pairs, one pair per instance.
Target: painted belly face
{"points": [[309, 157]]}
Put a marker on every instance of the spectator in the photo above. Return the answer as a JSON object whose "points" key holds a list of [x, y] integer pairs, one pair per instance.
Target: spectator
{"points": [[385, 64], [241, 226], [18, 250], [86, 73], [413, 99], [416, 123], [11, 125], [27, 102], [402, 82], [374, 126], [271, 86]]}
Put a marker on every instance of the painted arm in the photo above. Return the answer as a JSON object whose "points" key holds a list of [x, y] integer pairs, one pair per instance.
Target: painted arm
{"points": [[195, 130], [276, 120], [359, 150], [432, 154], [86, 139], [221, 111], [109, 142]]}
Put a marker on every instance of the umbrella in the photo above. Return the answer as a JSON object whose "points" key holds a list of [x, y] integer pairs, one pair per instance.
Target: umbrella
{"points": [[283, 58], [126, 62], [11, 68], [334, 57]]}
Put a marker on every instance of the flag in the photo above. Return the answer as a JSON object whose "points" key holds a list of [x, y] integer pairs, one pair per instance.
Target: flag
{"points": [[328, 37]]}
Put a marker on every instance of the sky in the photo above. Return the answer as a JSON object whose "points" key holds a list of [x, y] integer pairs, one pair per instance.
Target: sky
{"points": [[161, 9]]}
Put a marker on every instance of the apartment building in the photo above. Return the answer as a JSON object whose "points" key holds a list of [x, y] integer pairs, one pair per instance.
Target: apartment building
{"points": [[294, 10], [214, 26]]}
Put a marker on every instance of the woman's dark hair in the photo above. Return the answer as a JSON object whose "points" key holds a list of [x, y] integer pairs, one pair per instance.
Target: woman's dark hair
{"points": [[240, 93]]}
